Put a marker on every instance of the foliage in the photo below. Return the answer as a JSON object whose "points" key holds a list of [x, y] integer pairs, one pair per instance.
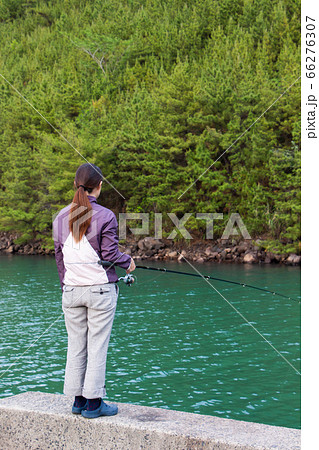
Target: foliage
{"points": [[154, 93]]}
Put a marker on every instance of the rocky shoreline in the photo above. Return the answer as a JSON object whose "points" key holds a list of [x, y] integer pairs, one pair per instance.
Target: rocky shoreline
{"points": [[238, 251]]}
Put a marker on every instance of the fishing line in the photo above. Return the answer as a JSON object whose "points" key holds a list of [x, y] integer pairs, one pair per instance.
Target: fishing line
{"points": [[146, 281], [129, 279], [57, 131], [246, 320]]}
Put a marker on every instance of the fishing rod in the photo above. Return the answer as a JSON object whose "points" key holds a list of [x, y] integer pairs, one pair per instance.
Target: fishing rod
{"points": [[129, 279]]}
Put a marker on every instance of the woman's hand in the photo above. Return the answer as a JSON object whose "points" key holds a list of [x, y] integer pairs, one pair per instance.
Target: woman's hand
{"points": [[132, 266]]}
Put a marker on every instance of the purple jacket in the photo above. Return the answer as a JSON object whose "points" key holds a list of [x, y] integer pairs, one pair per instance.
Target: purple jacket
{"points": [[100, 242]]}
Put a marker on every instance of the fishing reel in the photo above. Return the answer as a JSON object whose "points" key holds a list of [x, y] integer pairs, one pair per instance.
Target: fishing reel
{"points": [[128, 279]]}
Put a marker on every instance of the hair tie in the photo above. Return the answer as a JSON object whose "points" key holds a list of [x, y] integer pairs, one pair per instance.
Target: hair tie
{"points": [[81, 185]]}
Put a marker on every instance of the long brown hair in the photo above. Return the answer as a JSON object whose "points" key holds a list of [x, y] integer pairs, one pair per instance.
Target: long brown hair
{"points": [[87, 177]]}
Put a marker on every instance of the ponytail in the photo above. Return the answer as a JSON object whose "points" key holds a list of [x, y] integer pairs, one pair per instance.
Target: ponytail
{"points": [[88, 176], [81, 207]]}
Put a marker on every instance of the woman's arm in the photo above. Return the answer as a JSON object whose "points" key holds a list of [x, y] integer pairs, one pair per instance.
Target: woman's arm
{"points": [[58, 248], [109, 245], [59, 261]]}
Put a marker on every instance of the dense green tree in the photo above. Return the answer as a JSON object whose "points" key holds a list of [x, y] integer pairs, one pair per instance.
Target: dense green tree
{"points": [[159, 95]]}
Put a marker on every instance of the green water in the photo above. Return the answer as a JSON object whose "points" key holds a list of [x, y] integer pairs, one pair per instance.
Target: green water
{"points": [[175, 343]]}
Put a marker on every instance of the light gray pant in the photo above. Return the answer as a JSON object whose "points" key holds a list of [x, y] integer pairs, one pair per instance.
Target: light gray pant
{"points": [[89, 313]]}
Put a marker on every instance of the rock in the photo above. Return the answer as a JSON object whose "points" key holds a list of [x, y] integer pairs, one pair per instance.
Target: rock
{"points": [[10, 249], [242, 248], [141, 245], [200, 260], [152, 243], [249, 258], [223, 254], [181, 256], [172, 254], [149, 244], [290, 258], [208, 251], [270, 256], [227, 250], [293, 259]]}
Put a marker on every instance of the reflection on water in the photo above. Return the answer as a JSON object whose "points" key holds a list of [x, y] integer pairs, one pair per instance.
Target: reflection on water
{"points": [[175, 343]]}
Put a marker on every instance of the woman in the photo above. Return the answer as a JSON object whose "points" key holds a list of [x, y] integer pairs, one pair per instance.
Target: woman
{"points": [[84, 233]]}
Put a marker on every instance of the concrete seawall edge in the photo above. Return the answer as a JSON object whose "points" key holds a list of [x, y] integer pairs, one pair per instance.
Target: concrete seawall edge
{"points": [[35, 420]]}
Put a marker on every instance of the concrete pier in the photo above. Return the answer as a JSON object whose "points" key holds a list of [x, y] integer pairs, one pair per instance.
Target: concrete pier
{"points": [[36, 420]]}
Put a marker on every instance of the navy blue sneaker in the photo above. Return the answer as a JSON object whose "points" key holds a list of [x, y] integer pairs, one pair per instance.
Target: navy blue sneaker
{"points": [[102, 410], [78, 410]]}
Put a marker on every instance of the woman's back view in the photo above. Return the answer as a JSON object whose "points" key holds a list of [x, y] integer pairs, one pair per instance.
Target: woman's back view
{"points": [[84, 233]]}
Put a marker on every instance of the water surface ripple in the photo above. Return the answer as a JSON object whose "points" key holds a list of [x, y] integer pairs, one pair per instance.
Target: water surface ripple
{"points": [[175, 344]]}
